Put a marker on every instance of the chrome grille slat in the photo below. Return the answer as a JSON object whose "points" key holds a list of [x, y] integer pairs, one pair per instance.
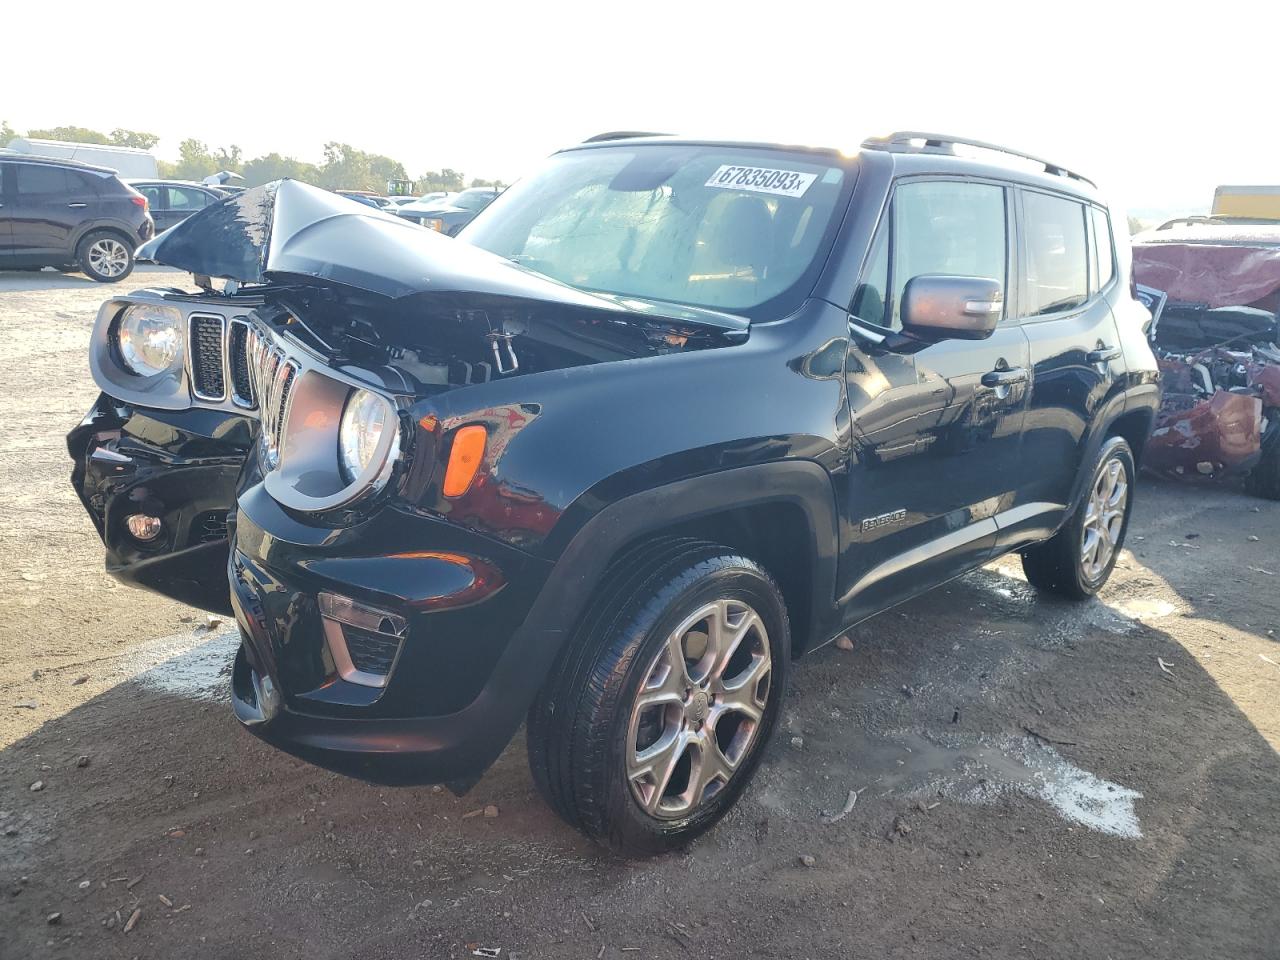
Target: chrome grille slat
{"points": [[273, 374]]}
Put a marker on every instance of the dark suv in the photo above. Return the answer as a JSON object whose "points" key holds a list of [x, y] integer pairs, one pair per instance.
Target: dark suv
{"points": [[60, 213], [668, 415]]}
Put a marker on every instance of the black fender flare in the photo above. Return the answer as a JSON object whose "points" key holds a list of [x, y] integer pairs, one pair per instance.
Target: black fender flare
{"points": [[523, 667], [1134, 400], [803, 484]]}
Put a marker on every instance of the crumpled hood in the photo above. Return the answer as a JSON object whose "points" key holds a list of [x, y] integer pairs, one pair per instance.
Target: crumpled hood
{"points": [[289, 229]]}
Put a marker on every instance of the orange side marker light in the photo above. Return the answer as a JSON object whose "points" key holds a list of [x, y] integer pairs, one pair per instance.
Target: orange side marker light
{"points": [[464, 459]]}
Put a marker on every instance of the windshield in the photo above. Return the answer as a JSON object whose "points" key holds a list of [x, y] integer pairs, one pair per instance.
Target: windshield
{"points": [[730, 228]]}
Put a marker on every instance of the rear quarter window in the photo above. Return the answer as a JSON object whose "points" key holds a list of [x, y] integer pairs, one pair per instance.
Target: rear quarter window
{"points": [[1105, 246]]}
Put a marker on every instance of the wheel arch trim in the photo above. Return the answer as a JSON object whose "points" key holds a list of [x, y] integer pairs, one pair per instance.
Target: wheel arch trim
{"points": [[489, 722]]}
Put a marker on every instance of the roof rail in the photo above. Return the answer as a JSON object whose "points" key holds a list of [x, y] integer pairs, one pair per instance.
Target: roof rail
{"points": [[903, 141], [622, 135]]}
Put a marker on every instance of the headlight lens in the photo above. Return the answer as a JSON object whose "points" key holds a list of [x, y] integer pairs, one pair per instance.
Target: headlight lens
{"points": [[149, 338], [365, 418]]}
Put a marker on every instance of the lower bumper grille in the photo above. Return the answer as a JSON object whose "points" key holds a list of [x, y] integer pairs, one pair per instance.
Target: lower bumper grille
{"points": [[371, 653], [364, 641]]}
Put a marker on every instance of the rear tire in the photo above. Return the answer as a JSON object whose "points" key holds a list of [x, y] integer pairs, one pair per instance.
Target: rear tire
{"points": [[105, 256], [1079, 558], [639, 749], [1264, 479]]}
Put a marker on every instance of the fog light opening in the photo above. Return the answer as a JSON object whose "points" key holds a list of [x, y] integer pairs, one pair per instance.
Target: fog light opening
{"points": [[143, 526]]}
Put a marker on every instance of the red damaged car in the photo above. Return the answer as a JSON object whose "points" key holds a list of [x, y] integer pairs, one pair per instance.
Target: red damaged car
{"points": [[1213, 286]]}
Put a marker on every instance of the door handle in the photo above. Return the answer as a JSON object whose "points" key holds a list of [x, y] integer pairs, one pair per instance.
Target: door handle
{"points": [[1004, 378], [1104, 354], [77, 206]]}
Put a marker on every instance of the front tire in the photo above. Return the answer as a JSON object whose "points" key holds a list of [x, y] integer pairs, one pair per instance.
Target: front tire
{"points": [[1079, 558], [105, 256], [656, 717]]}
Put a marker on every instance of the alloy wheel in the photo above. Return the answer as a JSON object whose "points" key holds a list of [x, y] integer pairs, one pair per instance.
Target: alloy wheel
{"points": [[697, 714], [1104, 519], [108, 257]]}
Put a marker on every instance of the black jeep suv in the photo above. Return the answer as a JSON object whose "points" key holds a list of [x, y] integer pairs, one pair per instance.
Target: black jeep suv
{"points": [[61, 213], [668, 415]]}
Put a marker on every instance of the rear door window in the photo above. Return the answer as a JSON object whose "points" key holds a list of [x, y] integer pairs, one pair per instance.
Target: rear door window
{"points": [[1057, 259], [38, 180], [187, 199]]}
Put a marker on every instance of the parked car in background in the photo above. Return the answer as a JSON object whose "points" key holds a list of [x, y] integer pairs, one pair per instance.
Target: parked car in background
{"points": [[60, 213], [451, 213], [399, 201], [423, 205], [666, 416], [368, 199], [172, 201]]}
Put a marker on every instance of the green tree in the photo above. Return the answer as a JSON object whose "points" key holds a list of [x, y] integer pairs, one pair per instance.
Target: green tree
{"points": [[434, 181], [477, 182], [195, 161], [346, 168], [1135, 226], [71, 134], [7, 132], [228, 158], [264, 169], [133, 138]]}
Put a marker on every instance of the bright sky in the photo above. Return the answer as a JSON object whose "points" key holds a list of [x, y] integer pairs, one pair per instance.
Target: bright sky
{"points": [[1158, 104]]}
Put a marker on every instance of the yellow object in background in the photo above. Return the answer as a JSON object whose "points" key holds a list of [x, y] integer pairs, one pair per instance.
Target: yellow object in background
{"points": [[1255, 203]]}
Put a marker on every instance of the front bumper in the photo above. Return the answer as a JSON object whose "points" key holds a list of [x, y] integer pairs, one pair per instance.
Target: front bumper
{"points": [[470, 660], [179, 467]]}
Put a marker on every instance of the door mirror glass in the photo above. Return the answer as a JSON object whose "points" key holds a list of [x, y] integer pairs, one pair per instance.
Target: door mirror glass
{"points": [[951, 308]]}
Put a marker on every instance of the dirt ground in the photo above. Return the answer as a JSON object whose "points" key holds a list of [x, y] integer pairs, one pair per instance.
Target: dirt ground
{"points": [[1034, 779]]}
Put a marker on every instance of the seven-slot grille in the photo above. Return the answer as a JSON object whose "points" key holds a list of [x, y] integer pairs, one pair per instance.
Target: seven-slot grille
{"points": [[239, 356]]}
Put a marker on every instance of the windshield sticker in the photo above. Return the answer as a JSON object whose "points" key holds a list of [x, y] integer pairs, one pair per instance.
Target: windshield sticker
{"points": [[782, 183]]}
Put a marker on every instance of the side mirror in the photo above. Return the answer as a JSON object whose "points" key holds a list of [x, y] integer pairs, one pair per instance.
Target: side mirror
{"points": [[951, 308]]}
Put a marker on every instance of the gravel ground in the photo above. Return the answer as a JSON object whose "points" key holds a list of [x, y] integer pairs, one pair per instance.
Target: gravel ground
{"points": [[1034, 779]]}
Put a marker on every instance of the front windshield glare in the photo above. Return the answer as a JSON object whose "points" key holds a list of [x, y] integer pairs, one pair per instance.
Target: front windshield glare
{"points": [[727, 228]]}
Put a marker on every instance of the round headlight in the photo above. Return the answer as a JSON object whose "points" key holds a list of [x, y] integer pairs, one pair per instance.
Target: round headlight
{"points": [[149, 338], [364, 420]]}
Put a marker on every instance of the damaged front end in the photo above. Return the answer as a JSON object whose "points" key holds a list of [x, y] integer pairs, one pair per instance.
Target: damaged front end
{"points": [[307, 302], [1215, 334]]}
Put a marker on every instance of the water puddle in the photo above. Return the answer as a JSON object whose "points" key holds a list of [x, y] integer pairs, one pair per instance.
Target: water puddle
{"points": [[195, 665], [980, 770], [1138, 608]]}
